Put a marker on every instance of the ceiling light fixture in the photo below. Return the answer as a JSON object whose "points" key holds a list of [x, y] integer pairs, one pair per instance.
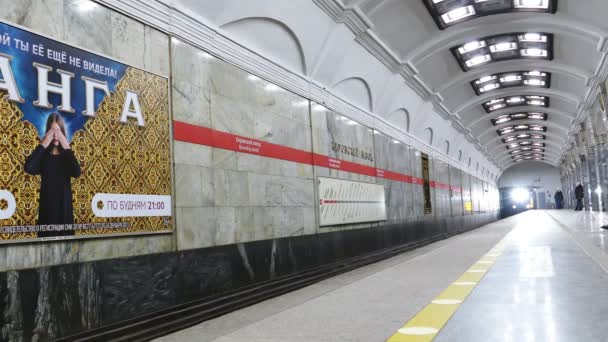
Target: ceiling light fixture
{"points": [[447, 13], [531, 4], [513, 101], [503, 47], [457, 14], [512, 79], [500, 47], [478, 60]]}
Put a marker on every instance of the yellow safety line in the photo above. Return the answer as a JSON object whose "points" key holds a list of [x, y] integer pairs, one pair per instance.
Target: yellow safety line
{"points": [[428, 322]]}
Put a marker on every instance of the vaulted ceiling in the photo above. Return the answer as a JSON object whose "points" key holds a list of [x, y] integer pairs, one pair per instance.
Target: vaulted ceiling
{"points": [[574, 32]]}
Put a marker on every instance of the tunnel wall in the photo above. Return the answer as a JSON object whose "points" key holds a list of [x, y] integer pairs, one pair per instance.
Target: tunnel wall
{"points": [[241, 217]]}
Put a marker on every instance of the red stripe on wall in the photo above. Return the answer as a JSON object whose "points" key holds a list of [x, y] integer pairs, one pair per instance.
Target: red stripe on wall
{"points": [[343, 165], [205, 136], [209, 137]]}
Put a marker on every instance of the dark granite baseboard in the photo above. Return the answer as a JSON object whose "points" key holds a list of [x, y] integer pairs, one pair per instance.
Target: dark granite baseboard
{"points": [[52, 302]]}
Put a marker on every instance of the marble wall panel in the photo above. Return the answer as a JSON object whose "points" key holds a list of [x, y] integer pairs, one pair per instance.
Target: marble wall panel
{"points": [[44, 17], [255, 197], [456, 196], [128, 39], [188, 186], [192, 154], [88, 25], [442, 196], [203, 227], [344, 131], [156, 51], [393, 155]]}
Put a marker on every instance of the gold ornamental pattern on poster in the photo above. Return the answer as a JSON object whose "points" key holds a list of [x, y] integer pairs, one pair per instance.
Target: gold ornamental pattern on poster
{"points": [[119, 156]]}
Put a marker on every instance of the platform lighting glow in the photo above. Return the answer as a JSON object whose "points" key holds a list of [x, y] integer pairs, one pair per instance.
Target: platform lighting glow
{"points": [[598, 190], [457, 14], [253, 78], [520, 195], [497, 106]]}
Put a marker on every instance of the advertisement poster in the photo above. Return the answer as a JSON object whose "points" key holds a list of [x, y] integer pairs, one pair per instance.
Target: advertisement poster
{"points": [[84, 143], [343, 201]]}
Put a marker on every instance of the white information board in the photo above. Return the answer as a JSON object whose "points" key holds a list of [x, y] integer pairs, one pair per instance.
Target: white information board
{"points": [[342, 201]]}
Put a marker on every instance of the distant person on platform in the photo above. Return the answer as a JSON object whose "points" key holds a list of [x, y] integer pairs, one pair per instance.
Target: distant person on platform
{"points": [[559, 199], [579, 193]]}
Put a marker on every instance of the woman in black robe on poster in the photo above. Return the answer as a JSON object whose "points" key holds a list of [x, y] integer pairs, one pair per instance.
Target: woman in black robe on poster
{"points": [[56, 164]]}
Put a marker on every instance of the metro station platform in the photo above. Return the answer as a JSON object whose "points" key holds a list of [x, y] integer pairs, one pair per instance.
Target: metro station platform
{"points": [[537, 276]]}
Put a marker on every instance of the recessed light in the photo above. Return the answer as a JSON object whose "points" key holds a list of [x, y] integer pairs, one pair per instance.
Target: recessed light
{"points": [[458, 14], [506, 46], [477, 60], [532, 4], [471, 46], [536, 103], [485, 79], [533, 52], [515, 99], [447, 13], [489, 87], [534, 82], [503, 47], [510, 78]]}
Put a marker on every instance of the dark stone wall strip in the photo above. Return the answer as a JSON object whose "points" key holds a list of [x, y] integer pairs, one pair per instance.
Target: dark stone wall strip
{"points": [[56, 302]]}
